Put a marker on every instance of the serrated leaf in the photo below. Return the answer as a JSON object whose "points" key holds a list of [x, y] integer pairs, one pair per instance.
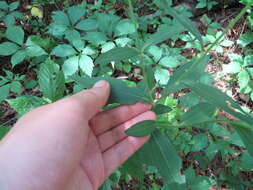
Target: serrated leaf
{"points": [[86, 64], [183, 20], [161, 109], [15, 34], [70, 66], [160, 152], [117, 55], [26, 103], [3, 131], [120, 92], [142, 129], [87, 24], [51, 81], [75, 13], [8, 48], [125, 27], [64, 50]]}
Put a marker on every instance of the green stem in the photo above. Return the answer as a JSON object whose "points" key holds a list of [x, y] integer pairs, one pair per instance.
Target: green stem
{"points": [[229, 27]]}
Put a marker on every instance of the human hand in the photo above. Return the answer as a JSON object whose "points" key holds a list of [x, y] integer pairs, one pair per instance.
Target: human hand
{"points": [[70, 144]]}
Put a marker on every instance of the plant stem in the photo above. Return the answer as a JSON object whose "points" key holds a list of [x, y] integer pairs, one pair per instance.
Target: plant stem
{"points": [[229, 27]]}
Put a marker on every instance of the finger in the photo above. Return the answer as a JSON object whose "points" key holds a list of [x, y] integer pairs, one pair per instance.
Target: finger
{"points": [[107, 120], [92, 100], [119, 153], [117, 134]]}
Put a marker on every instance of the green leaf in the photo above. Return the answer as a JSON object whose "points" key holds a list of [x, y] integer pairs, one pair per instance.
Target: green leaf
{"points": [[16, 87], [15, 34], [244, 79], [64, 50], [219, 99], [164, 34], [60, 18], [199, 113], [13, 6], [8, 48], [245, 39], [86, 64], [18, 57], [75, 13], [117, 55], [162, 76], [246, 135], [51, 81], [107, 46], [161, 109], [4, 5], [248, 60], [96, 38], [3, 131], [26, 103], [170, 62], [160, 152], [35, 51], [74, 38], [4, 92], [125, 27], [87, 24], [106, 185], [70, 66], [142, 129], [183, 20], [200, 141], [232, 68], [120, 92]]}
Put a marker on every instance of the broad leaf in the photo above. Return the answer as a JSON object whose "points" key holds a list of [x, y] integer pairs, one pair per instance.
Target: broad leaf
{"points": [[125, 27], [106, 185], [75, 13], [120, 92], [15, 34], [142, 129], [8, 48], [86, 64], [117, 55], [51, 81], [64, 50], [13, 6], [60, 18], [87, 24], [95, 38], [70, 66], [161, 109], [18, 57], [160, 152], [4, 92]]}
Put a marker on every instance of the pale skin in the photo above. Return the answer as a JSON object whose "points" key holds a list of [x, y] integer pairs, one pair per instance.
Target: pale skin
{"points": [[70, 144]]}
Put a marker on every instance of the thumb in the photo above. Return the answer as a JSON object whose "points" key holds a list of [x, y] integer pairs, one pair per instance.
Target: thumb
{"points": [[92, 100]]}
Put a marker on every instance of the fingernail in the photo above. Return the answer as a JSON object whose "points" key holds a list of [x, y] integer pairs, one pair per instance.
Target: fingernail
{"points": [[100, 84]]}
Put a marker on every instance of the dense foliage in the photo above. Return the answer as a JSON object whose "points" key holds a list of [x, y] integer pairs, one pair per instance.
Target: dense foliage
{"points": [[52, 49]]}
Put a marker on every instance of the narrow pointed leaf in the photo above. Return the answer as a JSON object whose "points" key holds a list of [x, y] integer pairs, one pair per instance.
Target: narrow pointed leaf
{"points": [[183, 20], [117, 55], [142, 129], [160, 152], [120, 92]]}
